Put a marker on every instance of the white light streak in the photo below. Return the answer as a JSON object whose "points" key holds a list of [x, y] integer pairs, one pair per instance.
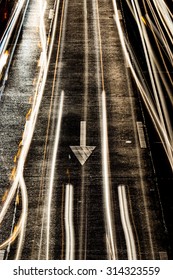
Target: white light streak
{"points": [[106, 183], [53, 164], [69, 227], [26, 146], [124, 212]]}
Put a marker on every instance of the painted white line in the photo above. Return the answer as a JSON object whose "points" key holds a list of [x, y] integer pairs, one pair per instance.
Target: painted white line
{"points": [[141, 135], [83, 133], [82, 152]]}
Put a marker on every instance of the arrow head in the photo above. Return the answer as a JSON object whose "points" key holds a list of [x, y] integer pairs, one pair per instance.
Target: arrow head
{"points": [[82, 152]]}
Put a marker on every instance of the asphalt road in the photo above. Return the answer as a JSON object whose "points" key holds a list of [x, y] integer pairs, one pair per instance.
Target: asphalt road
{"points": [[74, 208]]}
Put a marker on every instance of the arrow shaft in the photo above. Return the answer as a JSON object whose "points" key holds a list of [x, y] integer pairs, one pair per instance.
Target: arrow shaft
{"points": [[83, 133]]}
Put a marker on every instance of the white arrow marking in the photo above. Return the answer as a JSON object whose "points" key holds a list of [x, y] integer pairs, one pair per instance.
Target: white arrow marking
{"points": [[82, 152]]}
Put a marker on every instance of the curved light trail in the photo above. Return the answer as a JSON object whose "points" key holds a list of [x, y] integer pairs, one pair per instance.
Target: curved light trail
{"points": [[142, 90], [18, 178], [23, 219], [154, 96]]}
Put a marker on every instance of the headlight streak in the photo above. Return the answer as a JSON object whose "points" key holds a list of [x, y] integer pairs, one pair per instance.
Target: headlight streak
{"points": [[125, 219], [145, 93], [109, 224], [163, 14], [156, 106], [9, 240], [5, 40], [43, 38], [3, 60], [10, 27], [24, 217], [13, 236], [162, 32], [57, 69], [52, 175], [13, 223], [44, 46], [164, 129], [140, 86], [161, 44], [25, 148], [69, 227], [158, 93], [106, 184], [58, 58]]}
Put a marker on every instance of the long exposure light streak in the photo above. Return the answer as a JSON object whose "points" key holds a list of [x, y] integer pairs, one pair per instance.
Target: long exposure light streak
{"points": [[156, 87], [86, 60], [69, 227], [107, 194], [14, 234], [52, 175], [125, 219], [43, 37], [55, 87], [31, 129], [24, 217], [109, 224], [11, 25], [58, 58], [154, 97], [140, 86]]}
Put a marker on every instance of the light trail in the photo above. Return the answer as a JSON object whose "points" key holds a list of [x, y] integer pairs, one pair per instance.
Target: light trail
{"points": [[154, 97], [145, 93], [43, 37], [3, 60], [100, 46], [147, 101], [124, 213], [156, 87], [24, 217], [109, 224], [55, 87], [52, 174], [69, 227], [19, 229], [5, 40], [11, 25], [86, 59], [49, 121], [31, 126], [165, 18], [13, 236], [106, 183]]}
